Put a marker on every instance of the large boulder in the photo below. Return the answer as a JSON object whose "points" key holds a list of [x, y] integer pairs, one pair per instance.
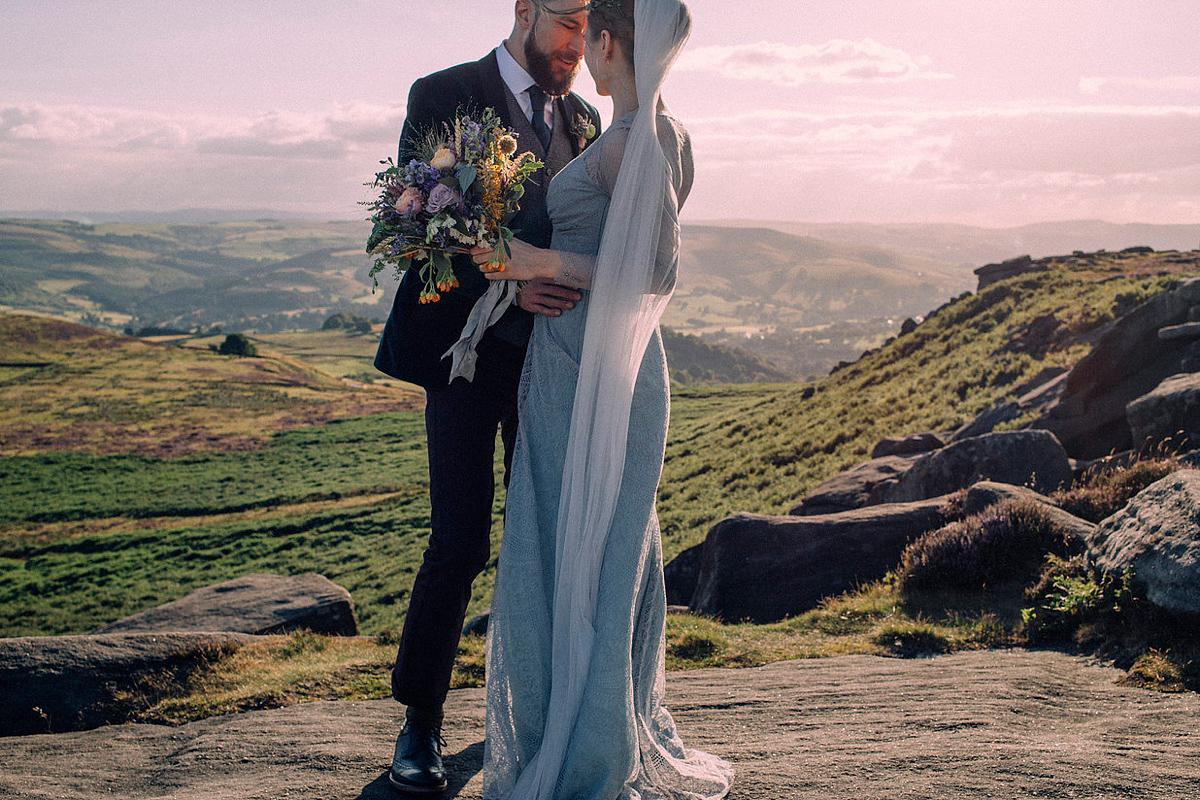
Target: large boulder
{"points": [[994, 273], [1035, 396], [1169, 415], [1129, 360], [257, 604], [1157, 537], [681, 574], [852, 488], [1022, 458], [51, 684], [764, 568], [912, 444]]}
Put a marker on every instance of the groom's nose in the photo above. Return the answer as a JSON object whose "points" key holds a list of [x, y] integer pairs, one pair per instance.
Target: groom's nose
{"points": [[575, 45]]}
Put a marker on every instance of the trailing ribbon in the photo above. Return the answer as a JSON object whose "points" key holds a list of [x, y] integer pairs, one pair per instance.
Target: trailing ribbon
{"points": [[487, 310]]}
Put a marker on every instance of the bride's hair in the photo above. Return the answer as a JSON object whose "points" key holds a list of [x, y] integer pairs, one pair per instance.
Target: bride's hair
{"points": [[616, 17]]}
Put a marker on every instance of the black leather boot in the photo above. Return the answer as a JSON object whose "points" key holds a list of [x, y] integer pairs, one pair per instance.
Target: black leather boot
{"points": [[417, 766]]}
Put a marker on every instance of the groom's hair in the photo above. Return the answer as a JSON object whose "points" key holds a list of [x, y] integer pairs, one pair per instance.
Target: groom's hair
{"points": [[540, 5], [616, 17]]}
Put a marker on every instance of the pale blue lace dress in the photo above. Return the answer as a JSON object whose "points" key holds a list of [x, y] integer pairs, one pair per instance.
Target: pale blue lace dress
{"points": [[623, 743]]}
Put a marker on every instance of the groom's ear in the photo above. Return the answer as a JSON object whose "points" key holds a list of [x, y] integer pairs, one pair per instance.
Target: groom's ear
{"points": [[524, 13]]}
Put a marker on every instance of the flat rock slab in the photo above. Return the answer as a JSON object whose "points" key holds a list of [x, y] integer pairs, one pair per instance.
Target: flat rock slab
{"points": [[995, 724], [51, 684], [257, 604]]}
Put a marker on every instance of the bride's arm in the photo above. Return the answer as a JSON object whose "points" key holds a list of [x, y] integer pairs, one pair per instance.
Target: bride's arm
{"points": [[527, 262]]}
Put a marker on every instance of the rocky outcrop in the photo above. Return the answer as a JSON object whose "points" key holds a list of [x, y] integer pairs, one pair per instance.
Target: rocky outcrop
{"points": [[256, 604], [852, 488], [1128, 361], [1157, 538], [51, 684], [763, 568], [994, 273], [1022, 458], [1168, 416]]}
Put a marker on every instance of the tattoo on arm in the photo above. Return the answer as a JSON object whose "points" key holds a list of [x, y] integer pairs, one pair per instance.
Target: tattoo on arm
{"points": [[576, 271]]}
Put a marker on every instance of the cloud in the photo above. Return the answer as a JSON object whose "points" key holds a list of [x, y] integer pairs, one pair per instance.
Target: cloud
{"points": [[260, 148], [71, 156], [838, 61], [1167, 83], [989, 165], [1104, 141], [328, 134], [1101, 141]]}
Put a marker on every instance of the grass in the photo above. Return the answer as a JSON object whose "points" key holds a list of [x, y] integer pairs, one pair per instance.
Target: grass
{"points": [[275, 671]]}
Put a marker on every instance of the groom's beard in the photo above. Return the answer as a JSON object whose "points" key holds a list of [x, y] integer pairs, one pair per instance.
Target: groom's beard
{"points": [[547, 70]]}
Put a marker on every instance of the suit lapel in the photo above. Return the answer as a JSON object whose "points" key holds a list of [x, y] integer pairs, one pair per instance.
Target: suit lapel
{"points": [[495, 91]]}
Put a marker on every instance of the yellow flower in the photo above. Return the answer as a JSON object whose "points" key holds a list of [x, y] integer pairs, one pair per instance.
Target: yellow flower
{"points": [[506, 145], [444, 158]]}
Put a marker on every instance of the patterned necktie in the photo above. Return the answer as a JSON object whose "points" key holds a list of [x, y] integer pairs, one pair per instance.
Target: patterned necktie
{"points": [[538, 99]]}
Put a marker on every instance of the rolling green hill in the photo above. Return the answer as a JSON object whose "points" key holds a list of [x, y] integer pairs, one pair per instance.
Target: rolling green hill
{"points": [[799, 303], [753, 278], [254, 275]]}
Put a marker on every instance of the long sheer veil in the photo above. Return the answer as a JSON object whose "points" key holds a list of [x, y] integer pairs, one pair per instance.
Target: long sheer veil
{"points": [[627, 299]]}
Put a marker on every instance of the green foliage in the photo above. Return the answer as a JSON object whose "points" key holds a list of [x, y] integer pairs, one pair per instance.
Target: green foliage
{"points": [[236, 344], [1007, 543], [87, 539], [1069, 596], [348, 322]]}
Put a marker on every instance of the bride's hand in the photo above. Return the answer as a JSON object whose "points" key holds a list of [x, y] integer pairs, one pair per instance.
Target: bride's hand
{"points": [[525, 262]]}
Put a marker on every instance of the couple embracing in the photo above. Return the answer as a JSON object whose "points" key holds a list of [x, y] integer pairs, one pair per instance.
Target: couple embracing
{"points": [[576, 632]]}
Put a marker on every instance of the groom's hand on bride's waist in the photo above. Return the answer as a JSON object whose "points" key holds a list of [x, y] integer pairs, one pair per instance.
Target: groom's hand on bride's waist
{"points": [[543, 296]]}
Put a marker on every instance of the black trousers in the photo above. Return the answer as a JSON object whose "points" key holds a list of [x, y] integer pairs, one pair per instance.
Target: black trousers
{"points": [[460, 423]]}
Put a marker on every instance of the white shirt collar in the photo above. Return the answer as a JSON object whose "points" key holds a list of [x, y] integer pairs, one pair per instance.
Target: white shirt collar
{"points": [[518, 82]]}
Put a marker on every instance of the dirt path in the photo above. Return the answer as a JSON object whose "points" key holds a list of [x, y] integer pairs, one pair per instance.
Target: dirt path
{"points": [[999, 724]]}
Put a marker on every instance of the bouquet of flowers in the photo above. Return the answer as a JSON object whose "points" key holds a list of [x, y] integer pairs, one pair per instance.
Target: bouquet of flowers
{"points": [[461, 191]]}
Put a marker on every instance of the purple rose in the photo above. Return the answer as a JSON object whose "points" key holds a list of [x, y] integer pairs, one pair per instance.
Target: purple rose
{"points": [[440, 197]]}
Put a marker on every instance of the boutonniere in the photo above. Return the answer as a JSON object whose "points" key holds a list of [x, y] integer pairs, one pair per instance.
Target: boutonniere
{"points": [[583, 130]]}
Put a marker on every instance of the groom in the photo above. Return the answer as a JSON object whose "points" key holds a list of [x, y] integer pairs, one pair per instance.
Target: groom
{"points": [[527, 80]]}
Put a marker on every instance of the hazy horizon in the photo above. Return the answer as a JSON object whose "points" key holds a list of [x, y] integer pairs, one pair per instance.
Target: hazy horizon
{"points": [[990, 114]]}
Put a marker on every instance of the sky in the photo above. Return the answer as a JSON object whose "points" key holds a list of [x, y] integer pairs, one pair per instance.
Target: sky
{"points": [[980, 112]]}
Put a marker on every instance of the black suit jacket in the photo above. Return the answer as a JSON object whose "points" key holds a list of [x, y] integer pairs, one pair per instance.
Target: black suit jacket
{"points": [[416, 336]]}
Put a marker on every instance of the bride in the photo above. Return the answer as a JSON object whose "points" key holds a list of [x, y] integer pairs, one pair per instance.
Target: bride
{"points": [[576, 636]]}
